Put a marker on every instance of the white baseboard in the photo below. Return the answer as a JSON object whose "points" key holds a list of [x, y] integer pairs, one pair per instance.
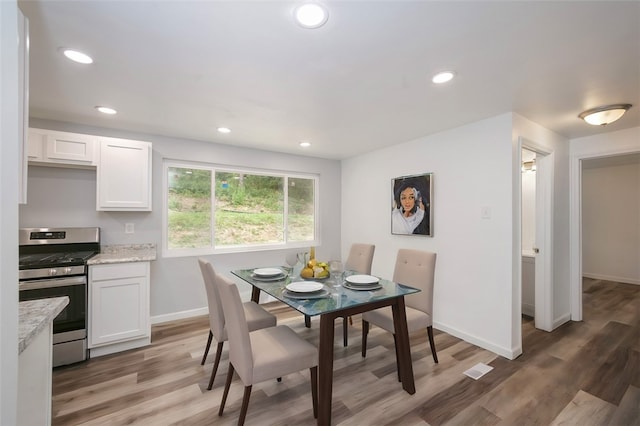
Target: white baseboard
{"points": [[528, 309], [508, 353], [159, 319], [625, 280], [561, 320]]}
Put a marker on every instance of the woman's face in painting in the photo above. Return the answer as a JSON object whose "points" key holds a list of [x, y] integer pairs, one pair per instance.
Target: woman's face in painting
{"points": [[407, 200]]}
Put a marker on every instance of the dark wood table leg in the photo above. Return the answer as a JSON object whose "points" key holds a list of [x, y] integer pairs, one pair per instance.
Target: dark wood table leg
{"points": [[403, 349], [325, 369], [255, 294], [307, 321]]}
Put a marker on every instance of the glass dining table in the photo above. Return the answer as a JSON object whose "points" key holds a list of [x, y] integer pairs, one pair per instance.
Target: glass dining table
{"points": [[337, 301]]}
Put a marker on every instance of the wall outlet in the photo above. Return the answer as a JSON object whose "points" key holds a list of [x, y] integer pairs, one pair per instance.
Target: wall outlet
{"points": [[129, 228]]}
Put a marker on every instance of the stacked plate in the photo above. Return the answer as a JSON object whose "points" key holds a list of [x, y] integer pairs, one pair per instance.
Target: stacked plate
{"points": [[362, 282], [268, 274], [305, 290]]}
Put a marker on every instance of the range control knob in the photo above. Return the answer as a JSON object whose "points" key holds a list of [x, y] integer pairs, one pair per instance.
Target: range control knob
{"points": [[67, 270], [53, 271]]}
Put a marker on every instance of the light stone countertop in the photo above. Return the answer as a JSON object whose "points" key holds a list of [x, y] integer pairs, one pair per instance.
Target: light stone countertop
{"points": [[35, 316], [121, 253]]}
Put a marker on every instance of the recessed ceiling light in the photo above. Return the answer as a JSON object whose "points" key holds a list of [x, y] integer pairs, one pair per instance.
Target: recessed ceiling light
{"points": [[305, 144], [224, 130], [106, 110], [311, 15], [76, 56], [442, 77]]}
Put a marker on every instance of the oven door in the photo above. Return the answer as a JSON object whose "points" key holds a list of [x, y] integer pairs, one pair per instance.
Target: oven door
{"points": [[74, 316]]}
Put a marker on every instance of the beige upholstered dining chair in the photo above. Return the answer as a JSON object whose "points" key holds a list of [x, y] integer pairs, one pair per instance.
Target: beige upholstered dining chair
{"points": [[256, 316], [263, 354], [360, 259], [414, 268]]}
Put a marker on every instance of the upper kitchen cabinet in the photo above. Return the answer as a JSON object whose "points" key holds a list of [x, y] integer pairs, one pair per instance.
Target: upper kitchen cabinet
{"points": [[52, 148], [124, 175]]}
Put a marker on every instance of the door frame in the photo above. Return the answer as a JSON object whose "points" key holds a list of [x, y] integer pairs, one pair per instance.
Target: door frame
{"points": [[545, 160], [575, 218]]}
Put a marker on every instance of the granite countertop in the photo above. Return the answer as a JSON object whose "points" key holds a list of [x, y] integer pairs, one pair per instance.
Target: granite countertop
{"points": [[35, 317], [121, 253]]}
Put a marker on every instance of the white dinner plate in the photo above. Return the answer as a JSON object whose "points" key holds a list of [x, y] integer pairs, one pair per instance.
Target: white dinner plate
{"points": [[267, 272], [304, 287], [362, 279]]}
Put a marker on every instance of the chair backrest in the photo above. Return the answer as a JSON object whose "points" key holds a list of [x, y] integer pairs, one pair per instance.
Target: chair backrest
{"points": [[216, 316], [416, 268], [360, 258], [240, 354]]}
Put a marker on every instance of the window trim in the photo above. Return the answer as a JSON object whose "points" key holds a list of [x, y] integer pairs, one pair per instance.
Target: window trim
{"points": [[202, 251]]}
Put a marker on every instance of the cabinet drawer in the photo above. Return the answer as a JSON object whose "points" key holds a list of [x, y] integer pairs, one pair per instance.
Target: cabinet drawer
{"points": [[118, 270]]}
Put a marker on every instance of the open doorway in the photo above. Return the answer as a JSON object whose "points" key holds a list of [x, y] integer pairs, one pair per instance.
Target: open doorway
{"points": [[536, 233], [528, 170]]}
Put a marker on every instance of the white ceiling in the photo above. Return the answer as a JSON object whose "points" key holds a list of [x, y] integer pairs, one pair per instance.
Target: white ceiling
{"points": [[362, 82]]}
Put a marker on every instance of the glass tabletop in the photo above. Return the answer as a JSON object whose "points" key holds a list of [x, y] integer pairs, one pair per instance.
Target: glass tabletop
{"points": [[334, 296]]}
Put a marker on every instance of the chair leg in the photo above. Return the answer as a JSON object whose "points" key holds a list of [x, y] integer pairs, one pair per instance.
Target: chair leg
{"points": [[307, 321], [365, 331], [432, 343], [227, 385], [215, 364], [206, 350], [245, 405], [314, 390], [345, 332], [395, 344]]}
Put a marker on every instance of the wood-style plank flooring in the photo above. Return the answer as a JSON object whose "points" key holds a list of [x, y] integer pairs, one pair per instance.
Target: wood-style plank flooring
{"points": [[584, 373]]}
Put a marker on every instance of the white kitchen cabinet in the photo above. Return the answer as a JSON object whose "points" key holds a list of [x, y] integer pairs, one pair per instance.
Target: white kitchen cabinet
{"points": [[118, 307], [62, 149], [124, 175]]}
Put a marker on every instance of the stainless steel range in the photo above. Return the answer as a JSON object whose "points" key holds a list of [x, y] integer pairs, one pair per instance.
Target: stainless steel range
{"points": [[53, 262]]}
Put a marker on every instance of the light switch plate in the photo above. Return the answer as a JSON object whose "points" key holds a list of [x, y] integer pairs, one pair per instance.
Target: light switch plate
{"points": [[485, 212], [129, 228]]}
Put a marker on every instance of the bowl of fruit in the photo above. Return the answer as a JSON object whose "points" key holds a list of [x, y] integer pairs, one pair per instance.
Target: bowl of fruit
{"points": [[315, 270]]}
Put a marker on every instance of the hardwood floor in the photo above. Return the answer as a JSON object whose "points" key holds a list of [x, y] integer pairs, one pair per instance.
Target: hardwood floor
{"points": [[584, 373]]}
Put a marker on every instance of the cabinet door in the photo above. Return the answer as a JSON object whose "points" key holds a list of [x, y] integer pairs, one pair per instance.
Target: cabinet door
{"points": [[70, 148], [124, 175], [118, 307]]}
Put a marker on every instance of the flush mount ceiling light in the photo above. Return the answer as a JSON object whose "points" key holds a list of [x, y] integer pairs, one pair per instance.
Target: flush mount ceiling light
{"points": [[305, 144], [77, 56], [603, 115], [224, 130], [106, 110], [442, 77], [311, 15]]}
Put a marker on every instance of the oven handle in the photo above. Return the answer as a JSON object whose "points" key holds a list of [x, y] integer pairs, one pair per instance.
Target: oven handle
{"points": [[53, 283]]}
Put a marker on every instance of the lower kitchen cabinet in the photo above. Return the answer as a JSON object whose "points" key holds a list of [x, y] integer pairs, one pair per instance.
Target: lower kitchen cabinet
{"points": [[119, 317]]}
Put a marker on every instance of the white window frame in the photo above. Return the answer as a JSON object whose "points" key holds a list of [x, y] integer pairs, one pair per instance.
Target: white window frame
{"points": [[214, 168]]}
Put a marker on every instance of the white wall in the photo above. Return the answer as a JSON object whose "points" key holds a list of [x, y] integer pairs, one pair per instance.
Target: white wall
{"points": [[528, 212], [472, 169], [611, 223], [9, 154], [66, 197], [612, 143]]}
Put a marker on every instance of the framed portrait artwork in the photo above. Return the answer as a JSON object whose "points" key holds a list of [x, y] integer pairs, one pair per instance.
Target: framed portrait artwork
{"points": [[412, 205]]}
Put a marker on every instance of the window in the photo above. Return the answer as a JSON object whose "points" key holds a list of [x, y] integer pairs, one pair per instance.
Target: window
{"points": [[210, 209]]}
